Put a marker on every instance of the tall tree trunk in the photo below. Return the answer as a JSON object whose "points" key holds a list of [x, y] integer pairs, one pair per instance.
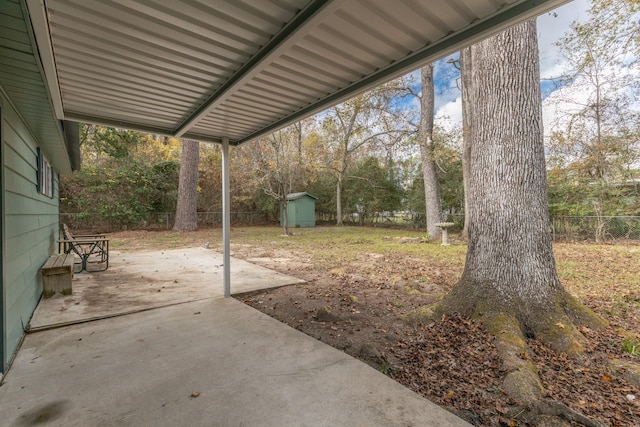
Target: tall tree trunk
{"points": [[509, 279], [298, 127], [339, 199], [187, 206], [285, 215], [465, 77], [427, 152], [509, 239], [510, 260]]}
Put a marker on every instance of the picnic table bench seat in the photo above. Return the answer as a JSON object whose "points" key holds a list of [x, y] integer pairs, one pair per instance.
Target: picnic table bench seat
{"points": [[91, 250]]}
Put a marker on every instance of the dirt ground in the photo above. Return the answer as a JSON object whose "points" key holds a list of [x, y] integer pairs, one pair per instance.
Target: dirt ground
{"points": [[360, 307]]}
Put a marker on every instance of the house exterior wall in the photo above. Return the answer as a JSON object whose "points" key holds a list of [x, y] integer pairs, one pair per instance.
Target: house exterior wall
{"points": [[29, 228]]}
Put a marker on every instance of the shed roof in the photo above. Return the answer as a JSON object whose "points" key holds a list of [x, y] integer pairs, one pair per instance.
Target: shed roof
{"points": [[296, 196], [239, 69]]}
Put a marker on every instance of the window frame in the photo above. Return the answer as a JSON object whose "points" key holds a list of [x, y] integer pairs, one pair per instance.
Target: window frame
{"points": [[45, 175]]}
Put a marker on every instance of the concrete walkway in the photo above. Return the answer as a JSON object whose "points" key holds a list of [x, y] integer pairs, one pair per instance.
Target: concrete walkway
{"points": [[139, 281], [210, 362]]}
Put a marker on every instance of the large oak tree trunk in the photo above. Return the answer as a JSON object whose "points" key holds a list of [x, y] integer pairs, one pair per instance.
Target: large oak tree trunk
{"points": [[510, 258], [427, 152], [509, 239], [509, 280], [187, 207]]}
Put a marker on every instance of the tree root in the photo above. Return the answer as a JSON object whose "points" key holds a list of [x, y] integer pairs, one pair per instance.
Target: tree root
{"points": [[522, 381], [627, 370], [554, 320], [426, 313], [543, 408]]}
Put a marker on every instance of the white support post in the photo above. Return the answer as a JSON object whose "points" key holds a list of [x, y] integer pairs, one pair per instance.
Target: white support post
{"points": [[226, 219]]}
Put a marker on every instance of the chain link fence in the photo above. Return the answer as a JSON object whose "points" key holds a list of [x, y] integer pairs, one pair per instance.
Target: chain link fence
{"points": [[596, 228], [157, 221], [399, 219], [563, 228]]}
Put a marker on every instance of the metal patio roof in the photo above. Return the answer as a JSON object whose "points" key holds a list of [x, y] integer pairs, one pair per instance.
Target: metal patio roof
{"points": [[206, 70]]}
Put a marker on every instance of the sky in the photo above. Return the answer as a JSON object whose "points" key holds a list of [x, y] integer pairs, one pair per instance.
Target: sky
{"points": [[551, 27]]}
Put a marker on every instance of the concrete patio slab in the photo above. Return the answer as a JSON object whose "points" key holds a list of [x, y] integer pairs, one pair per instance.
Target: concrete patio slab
{"points": [[245, 368], [144, 280]]}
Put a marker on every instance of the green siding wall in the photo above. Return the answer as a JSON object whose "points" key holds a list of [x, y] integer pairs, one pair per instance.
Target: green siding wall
{"points": [[30, 228]]}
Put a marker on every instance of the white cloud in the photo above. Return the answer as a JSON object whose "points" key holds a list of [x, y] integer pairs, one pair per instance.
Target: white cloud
{"points": [[551, 27], [560, 105], [449, 115]]}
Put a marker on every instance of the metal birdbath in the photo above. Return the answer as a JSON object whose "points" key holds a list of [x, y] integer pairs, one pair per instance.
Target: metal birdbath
{"points": [[445, 233]]}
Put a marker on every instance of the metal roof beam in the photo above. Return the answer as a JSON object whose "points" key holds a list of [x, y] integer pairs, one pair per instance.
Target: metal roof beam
{"points": [[96, 120], [280, 42], [497, 22]]}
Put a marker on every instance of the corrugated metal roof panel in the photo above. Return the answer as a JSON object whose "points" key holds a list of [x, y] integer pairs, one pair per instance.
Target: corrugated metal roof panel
{"points": [[160, 53], [241, 69]]}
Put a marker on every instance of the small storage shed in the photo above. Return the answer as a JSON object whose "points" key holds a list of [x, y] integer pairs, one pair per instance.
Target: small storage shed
{"points": [[301, 210]]}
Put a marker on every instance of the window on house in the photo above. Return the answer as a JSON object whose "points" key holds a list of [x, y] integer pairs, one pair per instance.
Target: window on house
{"points": [[45, 175]]}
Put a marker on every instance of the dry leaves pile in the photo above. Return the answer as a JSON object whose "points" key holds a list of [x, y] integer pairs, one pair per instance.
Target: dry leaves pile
{"points": [[588, 385], [455, 364], [358, 307]]}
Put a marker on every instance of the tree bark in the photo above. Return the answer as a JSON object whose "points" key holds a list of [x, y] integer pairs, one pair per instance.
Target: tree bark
{"points": [[509, 250], [285, 215], [427, 152], [339, 199], [465, 77], [509, 280], [187, 206]]}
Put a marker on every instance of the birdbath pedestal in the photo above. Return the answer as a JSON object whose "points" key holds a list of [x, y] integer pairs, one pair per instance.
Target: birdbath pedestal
{"points": [[445, 234]]}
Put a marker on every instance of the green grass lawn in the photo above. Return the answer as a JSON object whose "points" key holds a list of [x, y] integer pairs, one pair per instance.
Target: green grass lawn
{"points": [[605, 277]]}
